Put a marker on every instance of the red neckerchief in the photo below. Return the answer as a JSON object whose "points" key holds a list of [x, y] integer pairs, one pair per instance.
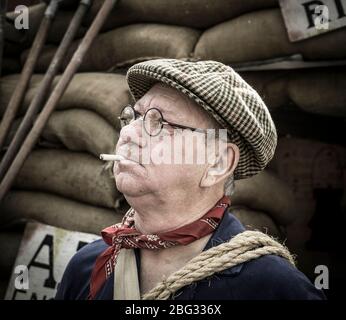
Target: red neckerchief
{"points": [[125, 235]]}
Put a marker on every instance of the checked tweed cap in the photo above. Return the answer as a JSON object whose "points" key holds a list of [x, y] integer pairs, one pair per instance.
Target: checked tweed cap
{"points": [[224, 95]]}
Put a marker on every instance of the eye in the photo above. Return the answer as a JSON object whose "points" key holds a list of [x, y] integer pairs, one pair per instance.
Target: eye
{"points": [[153, 121], [127, 116], [168, 130]]}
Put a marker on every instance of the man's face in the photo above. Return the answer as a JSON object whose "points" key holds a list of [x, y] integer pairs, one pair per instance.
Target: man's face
{"points": [[157, 165]]}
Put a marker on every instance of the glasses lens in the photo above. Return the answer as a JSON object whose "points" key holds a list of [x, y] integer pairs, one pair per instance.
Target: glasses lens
{"points": [[153, 122], [127, 116]]}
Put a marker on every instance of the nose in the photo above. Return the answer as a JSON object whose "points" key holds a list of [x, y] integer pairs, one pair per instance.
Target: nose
{"points": [[133, 133]]}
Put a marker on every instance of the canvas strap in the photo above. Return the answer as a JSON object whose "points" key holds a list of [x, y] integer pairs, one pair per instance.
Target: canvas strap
{"points": [[126, 285]]}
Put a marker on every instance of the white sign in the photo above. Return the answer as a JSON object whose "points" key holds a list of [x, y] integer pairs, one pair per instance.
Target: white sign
{"points": [[309, 18], [42, 258]]}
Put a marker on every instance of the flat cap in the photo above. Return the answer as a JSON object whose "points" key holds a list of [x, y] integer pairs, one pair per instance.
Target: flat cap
{"points": [[225, 95]]}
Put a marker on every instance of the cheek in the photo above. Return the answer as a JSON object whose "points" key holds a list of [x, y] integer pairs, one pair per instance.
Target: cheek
{"points": [[165, 175], [117, 145], [176, 176], [161, 151], [134, 182]]}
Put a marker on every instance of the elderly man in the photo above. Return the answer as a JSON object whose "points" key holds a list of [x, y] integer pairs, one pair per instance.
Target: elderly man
{"points": [[179, 225]]}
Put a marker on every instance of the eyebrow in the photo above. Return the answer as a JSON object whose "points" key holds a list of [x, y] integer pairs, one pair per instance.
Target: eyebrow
{"points": [[139, 108], [142, 108], [136, 109]]}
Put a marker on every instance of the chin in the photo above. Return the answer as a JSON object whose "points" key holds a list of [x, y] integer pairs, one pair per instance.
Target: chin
{"points": [[130, 185]]}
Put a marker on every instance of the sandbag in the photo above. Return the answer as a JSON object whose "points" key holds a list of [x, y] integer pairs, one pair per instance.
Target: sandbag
{"points": [[122, 45], [308, 166], [9, 245], [256, 220], [190, 13], [73, 175], [56, 211], [266, 192], [317, 91], [104, 93], [75, 130], [60, 25], [262, 35], [81, 130], [270, 85]]}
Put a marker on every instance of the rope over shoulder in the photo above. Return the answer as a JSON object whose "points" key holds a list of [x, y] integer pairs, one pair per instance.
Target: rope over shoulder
{"points": [[244, 247]]}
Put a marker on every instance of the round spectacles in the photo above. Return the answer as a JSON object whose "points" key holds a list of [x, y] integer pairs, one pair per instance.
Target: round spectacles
{"points": [[153, 120]]}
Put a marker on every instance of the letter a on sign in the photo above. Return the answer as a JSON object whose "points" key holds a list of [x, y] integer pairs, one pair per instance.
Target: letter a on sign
{"points": [[42, 258]]}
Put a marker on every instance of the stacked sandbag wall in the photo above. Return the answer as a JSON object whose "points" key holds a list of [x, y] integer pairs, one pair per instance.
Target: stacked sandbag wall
{"points": [[228, 31], [63, 182]]}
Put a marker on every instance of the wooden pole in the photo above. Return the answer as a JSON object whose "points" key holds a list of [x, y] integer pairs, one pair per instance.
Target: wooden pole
{"points": [[44, 88], [58, 91], [19, 92]]}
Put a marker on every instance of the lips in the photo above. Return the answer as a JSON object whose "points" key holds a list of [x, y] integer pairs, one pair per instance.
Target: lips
{"points": [[127, 161]]}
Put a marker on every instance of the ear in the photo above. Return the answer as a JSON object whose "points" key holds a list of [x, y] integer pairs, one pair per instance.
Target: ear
{"points": [[223, 166]]}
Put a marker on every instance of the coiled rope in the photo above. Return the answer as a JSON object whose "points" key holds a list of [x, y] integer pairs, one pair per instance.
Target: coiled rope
{"points": [[244, 247]]}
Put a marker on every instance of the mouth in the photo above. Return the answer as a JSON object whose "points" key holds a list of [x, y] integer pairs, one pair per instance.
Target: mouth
{"points": [[126, 161]]}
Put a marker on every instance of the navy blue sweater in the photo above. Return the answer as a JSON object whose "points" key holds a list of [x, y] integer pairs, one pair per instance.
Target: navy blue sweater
{"points": [[266, 278]]}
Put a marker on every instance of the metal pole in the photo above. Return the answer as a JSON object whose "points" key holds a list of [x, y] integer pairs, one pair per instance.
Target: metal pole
{"points": [[18, 94], [44, 88], [58, 91]]}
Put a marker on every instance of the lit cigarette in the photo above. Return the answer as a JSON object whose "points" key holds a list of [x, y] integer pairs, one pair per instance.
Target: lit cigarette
{"points": [[111, 157]]}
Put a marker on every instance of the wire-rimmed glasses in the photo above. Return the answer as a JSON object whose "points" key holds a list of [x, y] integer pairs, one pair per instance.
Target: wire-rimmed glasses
{"points": [[153, 120]]}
